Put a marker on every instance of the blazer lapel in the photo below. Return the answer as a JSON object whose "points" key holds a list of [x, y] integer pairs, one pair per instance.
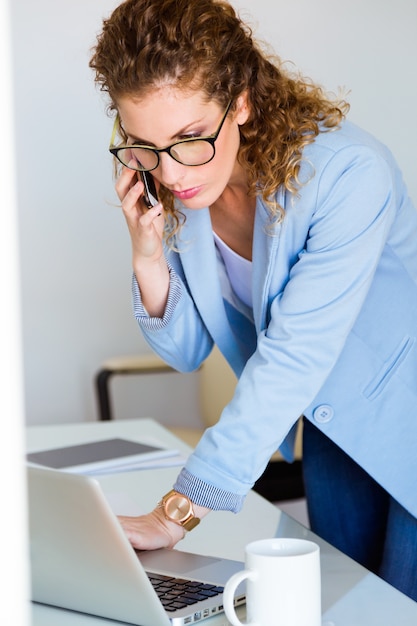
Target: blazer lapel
{"points": [[265, 249], [198, 258]]}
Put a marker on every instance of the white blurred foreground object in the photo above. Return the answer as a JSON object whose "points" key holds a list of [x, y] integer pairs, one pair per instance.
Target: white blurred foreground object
{"points": [[13, 521], [283, 584]]}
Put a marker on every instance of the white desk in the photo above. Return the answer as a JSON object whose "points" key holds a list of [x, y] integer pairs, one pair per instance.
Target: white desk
{"points": [[351, 596]]}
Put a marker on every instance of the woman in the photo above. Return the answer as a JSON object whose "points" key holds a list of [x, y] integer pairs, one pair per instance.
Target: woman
{"points": [[285, 235]]}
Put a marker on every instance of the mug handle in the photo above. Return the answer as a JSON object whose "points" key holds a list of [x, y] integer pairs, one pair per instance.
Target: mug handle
{"points": [[229, 595]]}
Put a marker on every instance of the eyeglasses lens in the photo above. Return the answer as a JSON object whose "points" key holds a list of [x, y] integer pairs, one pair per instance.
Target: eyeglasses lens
{"points": [[144, 159], [193, 152]]}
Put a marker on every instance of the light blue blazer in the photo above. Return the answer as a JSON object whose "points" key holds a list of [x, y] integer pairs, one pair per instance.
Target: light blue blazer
{"points": [[334, 324]]}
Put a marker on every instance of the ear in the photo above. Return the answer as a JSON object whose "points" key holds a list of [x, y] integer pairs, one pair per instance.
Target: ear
{"points": [[242, 108]]}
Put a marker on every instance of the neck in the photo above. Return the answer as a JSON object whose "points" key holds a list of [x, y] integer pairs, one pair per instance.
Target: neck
{"points": [[232, 217]]}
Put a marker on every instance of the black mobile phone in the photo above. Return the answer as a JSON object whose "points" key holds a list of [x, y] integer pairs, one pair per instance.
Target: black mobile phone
{"points": [[150, 197]]}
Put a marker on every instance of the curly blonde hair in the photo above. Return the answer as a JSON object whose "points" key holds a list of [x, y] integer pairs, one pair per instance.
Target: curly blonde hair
{"points": [[204, 45]]}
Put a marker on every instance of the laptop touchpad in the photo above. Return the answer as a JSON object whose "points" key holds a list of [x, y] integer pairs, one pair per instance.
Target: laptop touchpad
{"points": [[199, 567]]}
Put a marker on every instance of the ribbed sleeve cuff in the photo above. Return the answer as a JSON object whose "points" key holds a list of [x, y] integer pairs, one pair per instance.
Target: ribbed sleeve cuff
{"points": [[207, 495], [174, 295]]}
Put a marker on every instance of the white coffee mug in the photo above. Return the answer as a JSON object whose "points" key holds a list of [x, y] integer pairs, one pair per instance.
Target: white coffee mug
{"points": [[283, 584]]}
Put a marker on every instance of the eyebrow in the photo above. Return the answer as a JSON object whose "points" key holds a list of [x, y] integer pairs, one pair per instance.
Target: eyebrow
{"points": [[181, 132]]}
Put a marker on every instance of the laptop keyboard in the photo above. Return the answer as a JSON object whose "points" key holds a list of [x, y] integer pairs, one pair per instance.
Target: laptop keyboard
{"points": [[177, 593]]}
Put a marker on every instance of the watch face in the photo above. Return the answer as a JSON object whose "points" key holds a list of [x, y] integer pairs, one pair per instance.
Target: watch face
{"points": [[178, 507]]}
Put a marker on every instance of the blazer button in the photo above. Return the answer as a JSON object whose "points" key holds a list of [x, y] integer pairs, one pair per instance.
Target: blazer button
{"points": [[323, 413]]}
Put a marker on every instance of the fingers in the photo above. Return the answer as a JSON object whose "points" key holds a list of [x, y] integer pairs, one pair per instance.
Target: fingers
{"points": [[127, 179], [145, 226], [129, 189], [150, 532], [129, 195]]}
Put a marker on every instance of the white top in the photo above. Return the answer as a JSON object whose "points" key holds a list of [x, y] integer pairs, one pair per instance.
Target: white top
{"points": [[239, 271]]}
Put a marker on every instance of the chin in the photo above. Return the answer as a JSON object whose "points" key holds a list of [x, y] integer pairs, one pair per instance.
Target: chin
{"points": [[196, 204], [202, 200]]}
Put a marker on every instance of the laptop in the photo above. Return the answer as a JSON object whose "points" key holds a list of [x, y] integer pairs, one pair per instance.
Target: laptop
{"points": [[82, 560]]}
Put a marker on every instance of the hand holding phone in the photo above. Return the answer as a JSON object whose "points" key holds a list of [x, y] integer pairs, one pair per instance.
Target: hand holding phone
{"points": [[150, 196]]}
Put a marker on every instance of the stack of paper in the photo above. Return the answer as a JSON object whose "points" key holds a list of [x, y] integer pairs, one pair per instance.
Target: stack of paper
{"points": [[106, 457]]}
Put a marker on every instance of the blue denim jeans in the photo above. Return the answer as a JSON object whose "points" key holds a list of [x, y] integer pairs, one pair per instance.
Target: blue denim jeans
{"points": [[355, 514]]}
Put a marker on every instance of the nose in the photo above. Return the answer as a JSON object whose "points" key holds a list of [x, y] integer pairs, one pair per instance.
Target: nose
{"points": [[170, 171]]}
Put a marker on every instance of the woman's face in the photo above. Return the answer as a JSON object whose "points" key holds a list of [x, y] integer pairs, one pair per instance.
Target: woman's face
{"points": [[168, 115]]}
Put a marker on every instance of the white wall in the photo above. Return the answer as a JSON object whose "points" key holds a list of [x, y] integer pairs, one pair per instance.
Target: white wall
{"points": [[13, 541], [75, 254], [74, 246], [368, 47]]}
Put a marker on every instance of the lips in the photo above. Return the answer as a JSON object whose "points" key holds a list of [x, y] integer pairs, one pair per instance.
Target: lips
{"points": [[186, 194]]}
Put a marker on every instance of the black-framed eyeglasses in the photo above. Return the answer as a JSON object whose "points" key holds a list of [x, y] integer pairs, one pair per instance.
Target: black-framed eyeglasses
{"points": [[192, 151]]}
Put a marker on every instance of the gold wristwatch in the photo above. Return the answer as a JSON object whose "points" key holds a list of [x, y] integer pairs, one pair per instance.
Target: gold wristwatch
{"points": [[179, 509]]}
